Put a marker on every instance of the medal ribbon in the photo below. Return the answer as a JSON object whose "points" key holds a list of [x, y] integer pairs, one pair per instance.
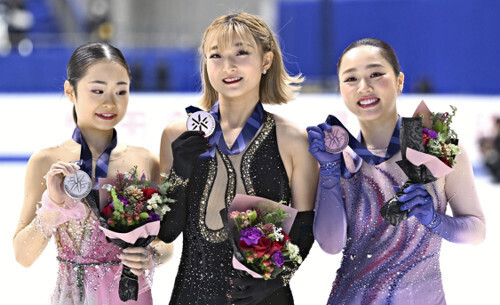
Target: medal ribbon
{"points": [[101, 168], [246, 135], [361, 150]]}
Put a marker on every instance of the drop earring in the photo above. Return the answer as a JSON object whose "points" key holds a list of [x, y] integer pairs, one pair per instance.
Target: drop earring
{"points": [[264, 72]]}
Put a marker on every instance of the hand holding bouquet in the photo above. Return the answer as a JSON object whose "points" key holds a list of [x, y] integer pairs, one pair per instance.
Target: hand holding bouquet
{"points": [[259, 236], [129, 211], [428, 148]]}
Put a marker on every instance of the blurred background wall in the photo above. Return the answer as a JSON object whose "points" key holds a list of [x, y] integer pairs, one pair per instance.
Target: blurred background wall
{"points": [[446, 46]]}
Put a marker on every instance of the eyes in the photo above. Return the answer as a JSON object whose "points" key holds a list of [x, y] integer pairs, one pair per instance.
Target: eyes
{"points": [[99, 92], [238, 53], [374, 75]]}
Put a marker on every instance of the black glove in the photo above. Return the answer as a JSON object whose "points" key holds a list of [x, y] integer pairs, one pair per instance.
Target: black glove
{"points": [[186, 150], [251, 291]]}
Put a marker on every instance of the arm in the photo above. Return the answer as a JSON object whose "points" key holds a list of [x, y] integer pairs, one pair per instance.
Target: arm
{"points": [[467, 225], [330, 225], [468, 222], [178, 156], [30, 227]]}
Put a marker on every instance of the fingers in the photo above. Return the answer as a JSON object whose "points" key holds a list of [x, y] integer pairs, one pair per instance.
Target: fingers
{"points": [[413, 187], [325, 126], [422, 193], [63, 168], [137, 259]]}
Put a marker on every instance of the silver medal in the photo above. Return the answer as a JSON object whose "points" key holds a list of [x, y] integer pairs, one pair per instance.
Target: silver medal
{"points": [[78, 185], [201, 121]]}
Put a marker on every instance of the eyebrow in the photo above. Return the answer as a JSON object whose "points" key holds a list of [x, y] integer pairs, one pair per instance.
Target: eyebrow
{"points": [[104, 83], [370, 66], [237, 44]]}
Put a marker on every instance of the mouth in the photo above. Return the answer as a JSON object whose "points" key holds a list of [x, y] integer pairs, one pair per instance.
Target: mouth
{"points": [[367, 102], [106, 116], [232, 80]]}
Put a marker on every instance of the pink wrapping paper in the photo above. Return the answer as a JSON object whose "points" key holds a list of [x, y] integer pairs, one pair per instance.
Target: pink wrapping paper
{"points": [[435, 166], [150, 228]]}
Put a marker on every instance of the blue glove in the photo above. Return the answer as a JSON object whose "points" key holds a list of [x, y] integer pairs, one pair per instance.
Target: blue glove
{"points": [[418, 202], [316, 136]]}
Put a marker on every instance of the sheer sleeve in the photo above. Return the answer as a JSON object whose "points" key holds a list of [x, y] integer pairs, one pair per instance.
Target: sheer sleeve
{"points": [[174, 221], [467, 225]]}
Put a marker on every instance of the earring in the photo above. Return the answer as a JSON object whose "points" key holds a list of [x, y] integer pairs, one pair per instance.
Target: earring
{"points": [[264, 72]]}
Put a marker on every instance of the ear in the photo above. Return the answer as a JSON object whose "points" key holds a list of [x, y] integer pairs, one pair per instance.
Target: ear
{"points": [[267, 60], [401, 81], [69, 91]]}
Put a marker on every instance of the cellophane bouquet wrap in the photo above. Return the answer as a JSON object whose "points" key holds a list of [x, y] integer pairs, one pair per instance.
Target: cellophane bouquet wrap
{"points": [[428, 149], [258, 230], [129, 209]]}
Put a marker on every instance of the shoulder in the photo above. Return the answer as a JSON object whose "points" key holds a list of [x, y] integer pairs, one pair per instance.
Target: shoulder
{"points": [[290, 131], [47, 156], [173, 130]]}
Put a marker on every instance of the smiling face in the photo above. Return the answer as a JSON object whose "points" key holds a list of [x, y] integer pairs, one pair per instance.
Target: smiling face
{"points": [[101, 96], [235, 70], [369, 85]]}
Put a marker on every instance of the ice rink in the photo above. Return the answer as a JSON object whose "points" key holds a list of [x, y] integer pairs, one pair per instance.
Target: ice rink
{"points": [[30, 122]]}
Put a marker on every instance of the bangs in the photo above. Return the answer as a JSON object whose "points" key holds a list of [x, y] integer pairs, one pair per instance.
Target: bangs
{"points": [[225, 35]]}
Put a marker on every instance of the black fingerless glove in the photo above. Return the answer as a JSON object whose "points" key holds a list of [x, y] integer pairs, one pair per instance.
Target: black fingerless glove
{"points": [[186, 150]]}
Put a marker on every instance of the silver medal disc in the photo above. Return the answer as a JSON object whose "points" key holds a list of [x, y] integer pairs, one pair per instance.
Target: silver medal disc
{"points": [[336, 140], [201, 121], [78, 185]]}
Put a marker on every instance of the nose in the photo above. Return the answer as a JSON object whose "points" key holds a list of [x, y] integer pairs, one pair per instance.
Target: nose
{"points": [[109, 99], [229, 64], [364, 85]]}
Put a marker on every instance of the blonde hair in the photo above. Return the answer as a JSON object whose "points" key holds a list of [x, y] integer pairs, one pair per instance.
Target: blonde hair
{"points": [[276, 86]]}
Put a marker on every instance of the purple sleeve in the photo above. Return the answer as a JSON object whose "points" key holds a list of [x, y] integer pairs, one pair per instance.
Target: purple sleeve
{"points": [[330, 226], [467, 225], [458, 229]]}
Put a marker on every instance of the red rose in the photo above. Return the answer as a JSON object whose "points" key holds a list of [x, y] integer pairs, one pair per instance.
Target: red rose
{"points": [[263, 247], [148, 192], [107, 211], [275, 246], [445, 161], [426, 139]]}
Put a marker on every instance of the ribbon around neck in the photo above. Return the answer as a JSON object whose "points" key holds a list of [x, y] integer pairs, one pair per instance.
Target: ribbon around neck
{"points": [[360, 149], [101, 168], [246, 135]]}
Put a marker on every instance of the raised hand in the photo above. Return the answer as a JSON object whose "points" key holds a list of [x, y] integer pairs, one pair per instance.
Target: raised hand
{"points": [[54, 179], [316, 136], [186, 150], [418, 202]]}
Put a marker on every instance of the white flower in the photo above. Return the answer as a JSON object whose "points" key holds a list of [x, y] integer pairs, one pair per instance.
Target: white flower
{"points": [[278, 233], [294, 251], [107, 187]]}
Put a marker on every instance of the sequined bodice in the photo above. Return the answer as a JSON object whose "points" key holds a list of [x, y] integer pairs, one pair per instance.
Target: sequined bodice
{"points": [[206, 266], [383, 264]]}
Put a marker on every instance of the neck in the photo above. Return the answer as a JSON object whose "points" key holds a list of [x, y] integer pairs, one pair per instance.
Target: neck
{"points": [[377, 135], [97, 140], [234, 114]]}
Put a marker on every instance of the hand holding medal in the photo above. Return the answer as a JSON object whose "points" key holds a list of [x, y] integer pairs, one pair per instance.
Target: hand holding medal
{"points": [[336, 139], [77, 185]]}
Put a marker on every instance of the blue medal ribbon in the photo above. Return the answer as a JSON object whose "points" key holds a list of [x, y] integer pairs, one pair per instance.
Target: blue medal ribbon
{"points": [[246, 135], [101, 168], [360, 149]]}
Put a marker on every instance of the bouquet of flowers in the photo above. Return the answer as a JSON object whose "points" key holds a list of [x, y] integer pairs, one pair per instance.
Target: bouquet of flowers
{"points": [[428, 148], [258, 231], [129, 211]]}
